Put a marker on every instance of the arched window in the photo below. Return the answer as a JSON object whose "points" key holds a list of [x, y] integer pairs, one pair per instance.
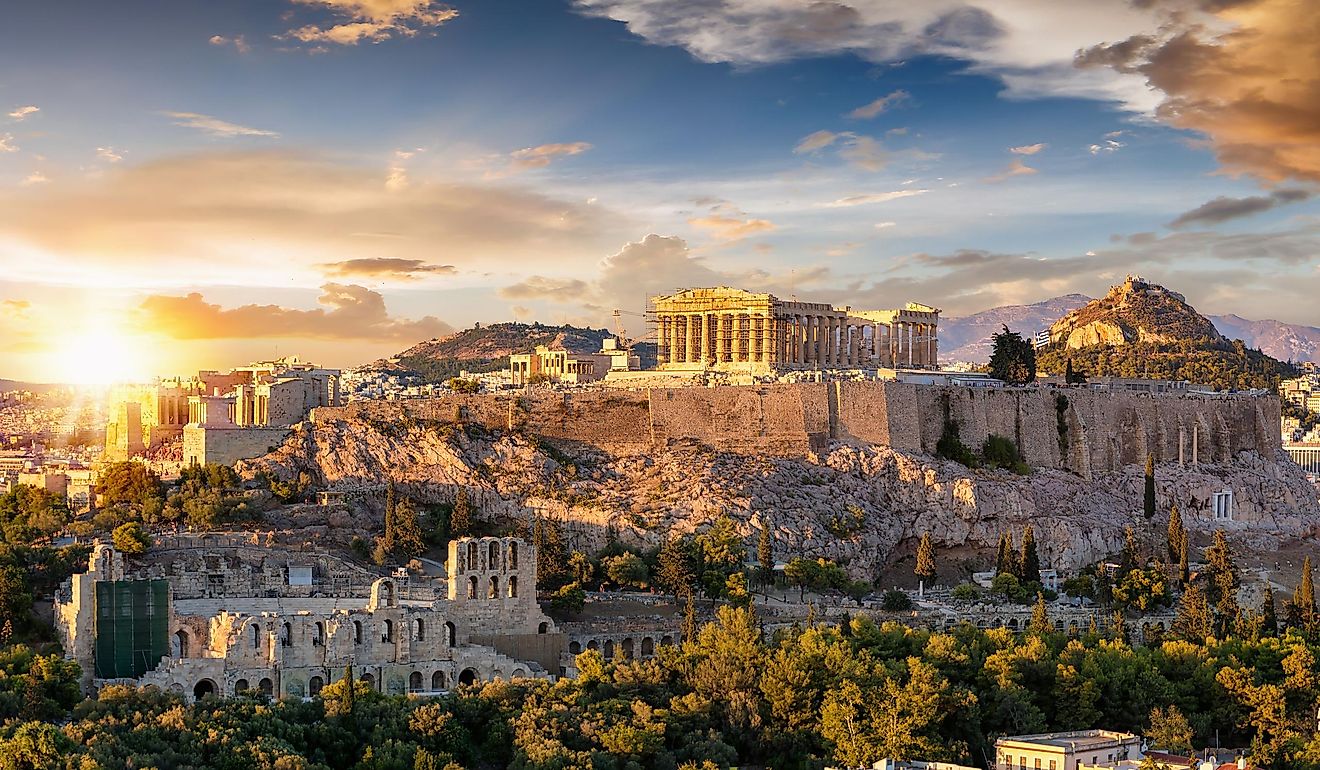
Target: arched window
{"points": [[544, 628], [389, 631], [420, 630], [389, 593], [415, 681], [204, 689], [369, 679], [450, 634], [437, 681], [513, 587], [179, 645], [266, 687], [648, 647], [472, 587], [318, 638], [513, 555], [574, 648], [493, 556], [256, 637], [241, 686], [357, 632], [472, 556], [626, 648], [609, 649], [468, 677], [314, 685], [286, 640], [494, 592]]}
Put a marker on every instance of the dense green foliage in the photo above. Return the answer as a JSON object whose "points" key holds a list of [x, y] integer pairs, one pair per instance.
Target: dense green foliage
{"points": [[29, 513], [810, 696], [1221, 364], [1013, 359], [435, 371]]}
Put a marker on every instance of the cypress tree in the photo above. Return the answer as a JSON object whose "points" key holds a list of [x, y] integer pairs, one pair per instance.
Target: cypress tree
{"points": [[1269, 617], [1184, 571], [1150, 486], [1029, 564], [407, 531], [925, 567], [1040, 616], [1130, 557], [460, 519], [1304, 595], [1004, 561], [1175, 534]]}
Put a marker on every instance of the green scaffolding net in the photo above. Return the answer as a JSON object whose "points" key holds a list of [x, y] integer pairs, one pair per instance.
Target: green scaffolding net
{"points": [[132, 627]]}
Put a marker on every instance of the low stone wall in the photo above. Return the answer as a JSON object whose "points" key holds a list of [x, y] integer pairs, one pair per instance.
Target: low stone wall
{"points": [[1081, 430]]}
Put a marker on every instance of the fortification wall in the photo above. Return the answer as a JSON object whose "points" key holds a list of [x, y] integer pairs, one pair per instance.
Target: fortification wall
{"points": [[1081, 430]]}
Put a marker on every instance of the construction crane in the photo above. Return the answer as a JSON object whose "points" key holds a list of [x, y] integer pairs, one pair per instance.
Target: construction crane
{"points": [[624, 340]]}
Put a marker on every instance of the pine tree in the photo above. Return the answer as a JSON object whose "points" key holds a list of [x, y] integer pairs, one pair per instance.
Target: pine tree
{"points": [[1222, 583], [765, 554], [1150, 486], [460, 519], [1004, 562], [1029, 563], [1269, 617], [674, 567], [1175, 535], [407, 530], [925, 568], [1130, 558], [1040, 616], [1195, 621], [1184, 571], [1304, 596]]}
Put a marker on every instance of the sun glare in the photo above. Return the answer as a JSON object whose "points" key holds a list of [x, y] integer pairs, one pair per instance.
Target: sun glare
{"points": [[101, 356]]}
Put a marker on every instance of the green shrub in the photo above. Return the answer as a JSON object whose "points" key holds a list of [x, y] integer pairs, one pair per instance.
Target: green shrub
{"points": [[896, 601]]}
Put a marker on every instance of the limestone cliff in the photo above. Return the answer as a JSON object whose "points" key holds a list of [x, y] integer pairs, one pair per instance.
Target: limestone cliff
{"points": [[854, 502], [1133, 311]]}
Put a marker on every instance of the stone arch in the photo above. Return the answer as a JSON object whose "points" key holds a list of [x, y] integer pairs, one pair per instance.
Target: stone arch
{"points": [[369, 679], [241, 686], [494, 591], [437, 681], [513, 586], [667, 640], [1012, 624], [626, 648], [468, 677], [415, 681], [518, 673], [204, 688], [575, 648], [472, 587], [472, 556], [593, 645], [419, 630], [179, 644], [609, 649], [497, 675], [451, 634], [314, 685], [266, 686], [648, 647], [384, 594], [493, 556], [513, 555], [543, 628]]}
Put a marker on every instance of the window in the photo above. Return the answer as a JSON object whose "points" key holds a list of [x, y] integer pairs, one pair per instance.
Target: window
{"points": [[1037, 763], [286, 639], [493, 557], [1053, 765], [513, 556], [1223, 505], [318, 638], [420, 634], [472, 587], [256, 638], [513, 587], [494, 592], [389, 632], [357, 632]]}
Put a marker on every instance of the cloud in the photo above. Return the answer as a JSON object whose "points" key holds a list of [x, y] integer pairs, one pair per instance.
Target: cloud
{"points": [[1108, 145], [109, 154], [36, 177], [1029, 46], [372, 20], [550, 289], [726, 228], [543, 155], [818, 140], [869, 198], [1222, 209], [15, 307], [22, 113], [1015, 168], [216, 126], [863, 152], [350, 312], [1029, 149], [385, 267], [271, 217], [237, 42], [7, 143], [1245, 78], [872, 109]]}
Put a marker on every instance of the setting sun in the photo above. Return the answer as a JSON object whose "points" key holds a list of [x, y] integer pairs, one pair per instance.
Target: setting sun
{"points": [[99, 356]]}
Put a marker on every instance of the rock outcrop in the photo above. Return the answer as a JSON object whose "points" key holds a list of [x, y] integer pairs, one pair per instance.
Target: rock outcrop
{"points": [[1134, 311]]}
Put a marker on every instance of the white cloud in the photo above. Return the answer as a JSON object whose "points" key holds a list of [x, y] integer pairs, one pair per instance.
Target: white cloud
{"points": [[1015, 168], [7, 143], [216, 126], [543, 155], [818, 140], [1028, 149], [239, 44], [36, 177], [109, 154], [1108, 145], [869, 198], [727, 228], [870, 110], [885, 225], [22, 113]]}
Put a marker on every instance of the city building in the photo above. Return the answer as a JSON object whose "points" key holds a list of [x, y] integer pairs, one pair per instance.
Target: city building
{"points": [[1073, 750], [220, 617], [728, 329]]}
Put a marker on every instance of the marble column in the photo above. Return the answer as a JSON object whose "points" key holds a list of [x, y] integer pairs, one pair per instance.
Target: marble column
{"points": [[664, 354], [934, 346], [711, 324], [694, 339], [822, 341], [854, 346]]}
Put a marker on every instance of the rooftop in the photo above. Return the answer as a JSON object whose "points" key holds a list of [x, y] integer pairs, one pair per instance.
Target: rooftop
{"points": [[1074, 740]]}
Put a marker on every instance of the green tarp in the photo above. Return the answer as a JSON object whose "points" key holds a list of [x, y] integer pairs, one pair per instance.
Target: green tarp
{"points": [[132, 632]]}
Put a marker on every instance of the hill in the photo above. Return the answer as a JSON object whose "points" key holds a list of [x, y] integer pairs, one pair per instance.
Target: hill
{"points": [[1142, 329], [1284, 341], [968, 338], [487, 348]]}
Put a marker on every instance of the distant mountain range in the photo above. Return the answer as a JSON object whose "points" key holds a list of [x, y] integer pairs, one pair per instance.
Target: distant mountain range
{"points": [[968, 338]]}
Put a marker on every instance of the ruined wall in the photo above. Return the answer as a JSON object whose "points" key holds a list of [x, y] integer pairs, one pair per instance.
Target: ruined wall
{"points": [[1085, 431], [228, 445]]}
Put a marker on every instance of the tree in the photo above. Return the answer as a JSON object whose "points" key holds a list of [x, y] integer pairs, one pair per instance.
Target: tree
{"points": [[1269, 617], [1169, 730], [407, 530], [1013, 359], [765, 555], [627, 569], [674, 567], [1304, 596], [130, 538], [1029, 571], [127, 483], [1150, 487], [1184, 571], [1222, 582], [1195, 621], [460, 519], [1006, 562], [569, 599], [1040, 617], [581, 568], [1175, 534], [802, 573], [388, 541], [1072, 376], [925, 567], [1130, 559]]}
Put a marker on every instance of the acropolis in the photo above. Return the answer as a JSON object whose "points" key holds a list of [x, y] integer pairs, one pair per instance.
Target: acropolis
{"points": [[734, 330]]}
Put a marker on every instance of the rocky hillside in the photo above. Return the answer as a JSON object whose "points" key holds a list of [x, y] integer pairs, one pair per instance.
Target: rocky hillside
{"points": [[968, 338], [1134, 311], [1284, 341], [859, 504], [484, 348]]}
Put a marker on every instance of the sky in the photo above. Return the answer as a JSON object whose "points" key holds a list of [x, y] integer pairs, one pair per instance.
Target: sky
{"points": [[188, 184]]}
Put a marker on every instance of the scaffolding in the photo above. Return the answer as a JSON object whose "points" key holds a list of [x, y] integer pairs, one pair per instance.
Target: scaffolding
{"points": [[132, 627]]}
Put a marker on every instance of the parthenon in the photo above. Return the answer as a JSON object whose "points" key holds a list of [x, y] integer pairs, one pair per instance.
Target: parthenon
{"points": [[730, 329]]}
